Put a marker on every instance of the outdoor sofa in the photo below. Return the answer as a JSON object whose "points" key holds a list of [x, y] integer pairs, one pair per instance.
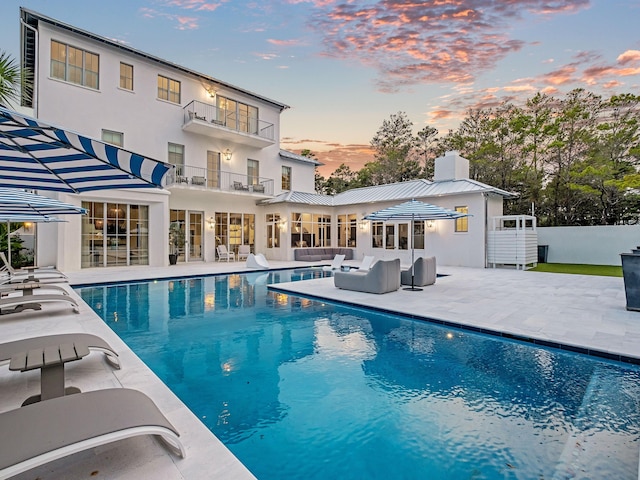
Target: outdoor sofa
{"points": [[316, 254], [383, 277]]}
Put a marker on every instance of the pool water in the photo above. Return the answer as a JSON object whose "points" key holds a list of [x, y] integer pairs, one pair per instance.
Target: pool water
{"points": [[299, 389]]}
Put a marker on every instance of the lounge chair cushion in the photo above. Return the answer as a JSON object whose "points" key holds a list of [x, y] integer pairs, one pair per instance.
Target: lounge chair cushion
{"points": [[383, 277], [425, 272], [45, 431]]}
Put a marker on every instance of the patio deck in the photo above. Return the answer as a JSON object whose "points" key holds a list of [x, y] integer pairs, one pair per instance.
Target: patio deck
{"points": [[584, 311]]}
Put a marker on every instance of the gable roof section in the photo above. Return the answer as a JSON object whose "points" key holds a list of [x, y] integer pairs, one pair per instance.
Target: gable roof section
{"points": [[300, 197], [420, 188], [30, 17], [287, 155]]}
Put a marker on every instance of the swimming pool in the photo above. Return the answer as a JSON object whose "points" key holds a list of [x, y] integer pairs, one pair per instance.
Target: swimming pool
{"points": [[303, 389]]}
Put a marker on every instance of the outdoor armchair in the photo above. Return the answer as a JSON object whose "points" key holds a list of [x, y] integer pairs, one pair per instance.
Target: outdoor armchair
{"points": [[424, 272], [243, 252], [224, 254]]}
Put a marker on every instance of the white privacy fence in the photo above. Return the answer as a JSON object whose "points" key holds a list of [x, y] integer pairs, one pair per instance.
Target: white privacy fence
{"points": [[598, 245], [512, 240]]}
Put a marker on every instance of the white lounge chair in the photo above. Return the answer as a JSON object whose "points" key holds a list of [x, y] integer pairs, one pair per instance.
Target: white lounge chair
{"points": [[257, 261], [367, 262], [27, 288], [30, 273], [41, 432], [243, 252], [335, 264], [18, 303], [224, 254], [92, 342]]}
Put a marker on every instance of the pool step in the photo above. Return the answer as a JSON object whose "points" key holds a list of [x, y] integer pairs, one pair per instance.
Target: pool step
{"points": [[589, 444]]}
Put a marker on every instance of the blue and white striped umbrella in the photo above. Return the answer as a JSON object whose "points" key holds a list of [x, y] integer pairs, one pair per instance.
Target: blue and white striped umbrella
{"points": [[414, 210], [17, 203], [40, 156]]}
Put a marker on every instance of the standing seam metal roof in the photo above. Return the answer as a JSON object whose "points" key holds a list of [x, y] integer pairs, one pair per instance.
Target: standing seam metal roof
{"points": [[420, 188]]}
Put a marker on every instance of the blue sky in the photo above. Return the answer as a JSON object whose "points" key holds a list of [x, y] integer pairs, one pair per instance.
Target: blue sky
{"points": [[345, 67]]}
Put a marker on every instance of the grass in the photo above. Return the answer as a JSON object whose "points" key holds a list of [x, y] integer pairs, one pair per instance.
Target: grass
{"points": [[579, 269]]}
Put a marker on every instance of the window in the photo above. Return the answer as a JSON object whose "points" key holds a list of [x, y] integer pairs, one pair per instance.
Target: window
{"points": [[236, 115], [115, 234], [390, 236], [310, 230], [286, 178], [168, 89], [213, 169], [273, 230], [114, 138], [126, 76], [376, 234], [418, 235], [403, 236], [253, 172], [176, 157], [176, 154], [347, 227], [235, 229], [462, 224], [74, 65]]}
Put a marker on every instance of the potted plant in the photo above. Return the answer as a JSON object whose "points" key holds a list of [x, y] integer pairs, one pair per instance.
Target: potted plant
{"points": [[176, 241]]}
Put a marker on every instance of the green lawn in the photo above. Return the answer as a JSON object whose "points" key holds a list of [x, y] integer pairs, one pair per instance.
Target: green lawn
{"points": [[602, 270]]}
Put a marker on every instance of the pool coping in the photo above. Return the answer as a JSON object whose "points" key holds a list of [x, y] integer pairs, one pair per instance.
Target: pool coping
{"points": [[496, 333]]}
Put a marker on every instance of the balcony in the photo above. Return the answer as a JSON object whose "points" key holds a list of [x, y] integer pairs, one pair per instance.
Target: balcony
{"points": [[196, 177], [209, 120]]}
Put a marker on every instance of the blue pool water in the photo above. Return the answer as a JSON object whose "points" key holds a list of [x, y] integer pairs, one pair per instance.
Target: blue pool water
{"points": [[299, 389]]}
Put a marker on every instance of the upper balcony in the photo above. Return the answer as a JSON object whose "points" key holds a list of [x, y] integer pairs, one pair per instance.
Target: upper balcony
{"points": [[206, 119], [197, 177]]}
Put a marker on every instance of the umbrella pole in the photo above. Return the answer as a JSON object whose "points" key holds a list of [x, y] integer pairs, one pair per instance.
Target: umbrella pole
{"points": [[413, 273], [9, 242]]}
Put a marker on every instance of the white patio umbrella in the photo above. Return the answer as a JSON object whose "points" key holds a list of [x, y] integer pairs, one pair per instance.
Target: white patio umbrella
{"points": [[414, 210], [19, 206], [40, 156]]}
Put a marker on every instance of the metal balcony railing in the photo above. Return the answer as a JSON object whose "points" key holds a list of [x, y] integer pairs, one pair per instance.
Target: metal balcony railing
{"points": [[229, 119], [186, 175]]}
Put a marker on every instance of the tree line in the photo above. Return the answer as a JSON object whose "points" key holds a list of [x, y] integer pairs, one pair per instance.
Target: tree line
{"points": [[575, 158]]}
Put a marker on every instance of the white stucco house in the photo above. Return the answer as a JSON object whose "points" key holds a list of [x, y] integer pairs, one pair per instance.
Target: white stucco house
{"points": [[232, 184]]}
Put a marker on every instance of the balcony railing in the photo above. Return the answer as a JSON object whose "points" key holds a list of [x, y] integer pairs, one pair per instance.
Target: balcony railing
{"points": [[228, 119], [185, 175]]}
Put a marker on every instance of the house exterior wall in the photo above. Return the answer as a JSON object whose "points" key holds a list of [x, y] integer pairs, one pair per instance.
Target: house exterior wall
{"points": [[148, 124]]}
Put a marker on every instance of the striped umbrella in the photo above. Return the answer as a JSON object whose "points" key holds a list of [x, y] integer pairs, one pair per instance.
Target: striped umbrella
{"points": [[39, 156], [19, 206], [15, 203], [414, 210]]}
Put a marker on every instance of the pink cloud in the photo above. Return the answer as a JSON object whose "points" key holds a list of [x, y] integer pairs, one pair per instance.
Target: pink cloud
{"points": [[193, 4], [284, 43], [429, 41], [629, 56], [183, 23]]}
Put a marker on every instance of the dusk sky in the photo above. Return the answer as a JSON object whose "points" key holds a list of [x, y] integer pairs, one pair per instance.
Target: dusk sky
{"points": [[345, 66]]}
